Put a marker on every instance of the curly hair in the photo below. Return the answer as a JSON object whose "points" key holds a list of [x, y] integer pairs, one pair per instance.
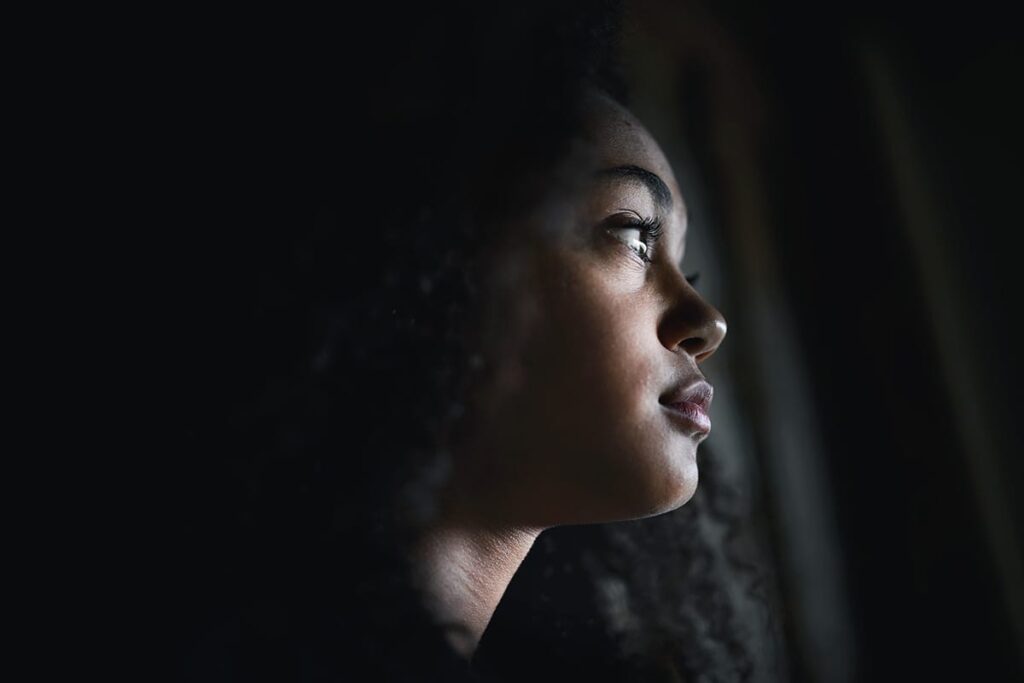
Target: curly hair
{"points": [[357, 344]]}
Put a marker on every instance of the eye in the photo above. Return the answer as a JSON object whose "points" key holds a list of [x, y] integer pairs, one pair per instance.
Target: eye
{"points": [[638, 244], [646, 231]]}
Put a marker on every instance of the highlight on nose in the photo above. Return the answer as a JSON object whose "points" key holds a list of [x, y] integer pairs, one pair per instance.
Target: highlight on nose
{"points": [[712, 339], [698, 332]]}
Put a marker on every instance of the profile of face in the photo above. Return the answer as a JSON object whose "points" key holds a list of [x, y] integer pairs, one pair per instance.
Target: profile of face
{"points": [[598, 337]]}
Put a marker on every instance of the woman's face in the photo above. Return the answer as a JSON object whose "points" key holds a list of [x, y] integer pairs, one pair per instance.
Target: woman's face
{"points": [[590, 340]]}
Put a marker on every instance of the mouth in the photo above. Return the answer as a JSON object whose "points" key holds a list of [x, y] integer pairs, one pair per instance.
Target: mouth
{"points": [[688, 406], [693, 418]]}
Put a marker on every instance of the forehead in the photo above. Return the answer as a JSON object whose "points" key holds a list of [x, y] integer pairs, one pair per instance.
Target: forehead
{"points": [[619, 140]]}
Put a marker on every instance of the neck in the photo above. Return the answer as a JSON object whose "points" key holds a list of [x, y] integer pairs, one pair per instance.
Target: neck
{"points": [[463, 570]]}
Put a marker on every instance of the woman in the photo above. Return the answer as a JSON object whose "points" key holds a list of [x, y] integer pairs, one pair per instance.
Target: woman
{"points": [[599, 406], [485, 333]]}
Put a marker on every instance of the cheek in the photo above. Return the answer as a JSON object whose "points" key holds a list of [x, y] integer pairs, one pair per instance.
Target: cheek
{"points": [[618, 457], [601, 445]]}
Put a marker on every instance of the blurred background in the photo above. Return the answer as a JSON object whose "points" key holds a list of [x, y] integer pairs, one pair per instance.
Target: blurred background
{"points": [[853, 174]]}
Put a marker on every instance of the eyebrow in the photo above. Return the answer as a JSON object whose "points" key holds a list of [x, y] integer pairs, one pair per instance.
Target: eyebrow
{"points": [[657, 187]]}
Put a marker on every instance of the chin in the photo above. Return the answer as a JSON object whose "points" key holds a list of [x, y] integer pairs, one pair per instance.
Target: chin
{"points": [[662, 499], [683, 496], [683, 485], [637, 483]]}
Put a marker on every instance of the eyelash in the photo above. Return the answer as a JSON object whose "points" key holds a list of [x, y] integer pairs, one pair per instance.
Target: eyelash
{"points": [[651, 228]]}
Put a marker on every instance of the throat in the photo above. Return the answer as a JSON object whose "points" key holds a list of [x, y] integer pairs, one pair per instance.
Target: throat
{"points": [[462, 573]]}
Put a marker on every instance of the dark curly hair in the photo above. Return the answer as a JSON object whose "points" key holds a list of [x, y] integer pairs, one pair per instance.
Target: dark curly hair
{"points": [[351, 336]]}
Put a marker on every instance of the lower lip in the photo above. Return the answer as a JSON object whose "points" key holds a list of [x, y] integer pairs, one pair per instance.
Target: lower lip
{"points": [[690, 415]]}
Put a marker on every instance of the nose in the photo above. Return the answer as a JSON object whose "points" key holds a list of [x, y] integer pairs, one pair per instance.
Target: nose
{"points": [[692, 324]]}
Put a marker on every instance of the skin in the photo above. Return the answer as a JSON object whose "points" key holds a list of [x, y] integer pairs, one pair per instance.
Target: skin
{"points": [[569, 428]]}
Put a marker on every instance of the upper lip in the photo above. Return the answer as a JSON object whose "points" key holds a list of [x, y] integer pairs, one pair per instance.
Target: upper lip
{"points": [[699, 392]]}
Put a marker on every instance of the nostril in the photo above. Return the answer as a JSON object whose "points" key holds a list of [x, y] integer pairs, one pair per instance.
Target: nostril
{"points": [[706, 340], [693, 345], [694, 326]]}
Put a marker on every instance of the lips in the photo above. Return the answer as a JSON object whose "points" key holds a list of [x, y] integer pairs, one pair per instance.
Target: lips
{"points": [[699, 392], [689, 405]]}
